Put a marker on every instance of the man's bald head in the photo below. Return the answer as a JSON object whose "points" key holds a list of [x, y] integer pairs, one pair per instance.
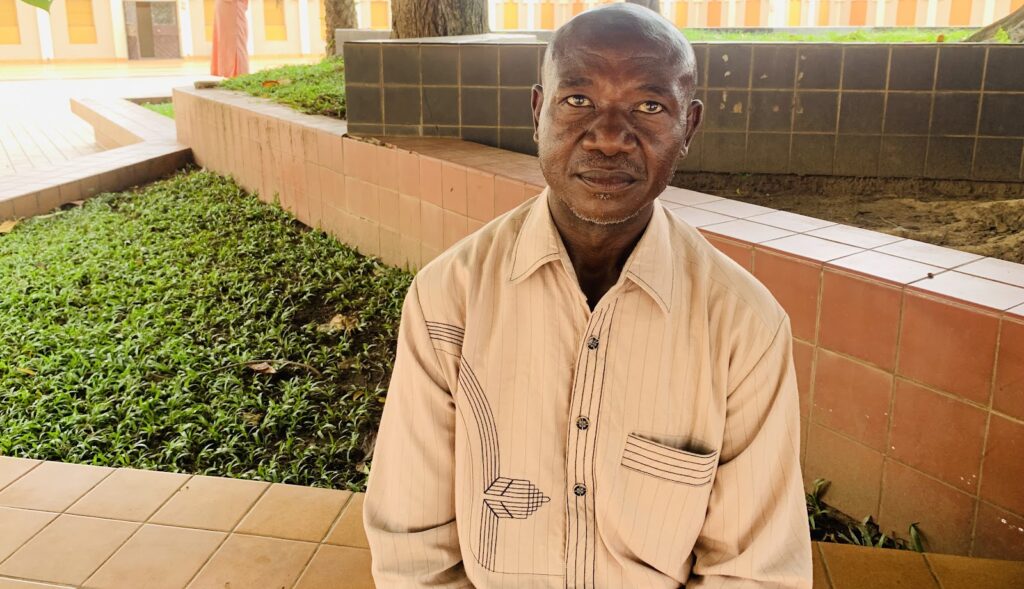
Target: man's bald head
{"points": [[623, 25]]}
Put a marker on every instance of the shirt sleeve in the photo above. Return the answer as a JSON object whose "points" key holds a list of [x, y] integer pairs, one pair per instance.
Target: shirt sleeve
{"points": [[755, 533], [409, 510]]}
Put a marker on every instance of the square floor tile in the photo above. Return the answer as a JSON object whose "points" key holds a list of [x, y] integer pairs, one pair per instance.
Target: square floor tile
{"points": [[695, 217], [68, 550], [338, 562], [961, 572], [971, 289], [52, 486], [129, 494], [943, 514], [349, 531], [891, 268], [294, 513], [11, 469], [18, 525], [157, 557], [18, 584], [847, 564], [251, 561], [813, 248], [210, 503]]}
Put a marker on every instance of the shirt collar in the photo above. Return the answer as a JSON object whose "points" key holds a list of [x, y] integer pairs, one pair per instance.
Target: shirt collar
{"points": [[650, 266]]}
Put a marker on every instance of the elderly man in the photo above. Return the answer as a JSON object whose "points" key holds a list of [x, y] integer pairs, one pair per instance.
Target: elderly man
{"points": [[587, 393]]}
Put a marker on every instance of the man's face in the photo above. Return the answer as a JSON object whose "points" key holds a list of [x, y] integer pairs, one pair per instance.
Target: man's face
{"points": [[610, 123]]}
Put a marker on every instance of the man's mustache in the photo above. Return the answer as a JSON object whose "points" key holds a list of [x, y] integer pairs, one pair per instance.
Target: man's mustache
{"points": [[618, 163]]}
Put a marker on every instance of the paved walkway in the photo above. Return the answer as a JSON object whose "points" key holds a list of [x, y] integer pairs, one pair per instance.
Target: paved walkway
{"points": [[100, 528], [37, 128]]}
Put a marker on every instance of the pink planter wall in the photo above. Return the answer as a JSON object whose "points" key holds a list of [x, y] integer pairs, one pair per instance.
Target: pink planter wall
{"points": [[910, 357]]}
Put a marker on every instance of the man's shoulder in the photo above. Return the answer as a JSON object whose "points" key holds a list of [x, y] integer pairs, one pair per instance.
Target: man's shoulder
{"points": [[728, 287]]}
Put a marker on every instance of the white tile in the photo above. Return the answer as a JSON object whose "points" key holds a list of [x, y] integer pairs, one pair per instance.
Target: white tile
{"points": [[683, 196], [888, 267], [995, 269], [791, 221], [813, 248], [747, 231], [927, 253], [972, 289], [735, 208], [699, 217], [855, 236]]}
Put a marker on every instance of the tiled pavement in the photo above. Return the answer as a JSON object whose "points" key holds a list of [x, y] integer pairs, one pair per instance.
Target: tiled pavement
{"points": [[67, 525]]}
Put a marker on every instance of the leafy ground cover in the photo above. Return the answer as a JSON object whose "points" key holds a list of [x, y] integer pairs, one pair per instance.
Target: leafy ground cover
{"points": [[189, 327], [317, 88], [164, 108], [887, 35]]}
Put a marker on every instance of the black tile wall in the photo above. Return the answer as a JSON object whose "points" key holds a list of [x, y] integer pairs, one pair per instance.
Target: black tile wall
{"points": [[900, 110], [818, 66], [816, 111], [363, 104], [724, 152], [865, 67], [479, 65], [726, 110], [949, 157], [908, 113], [771, 110], [729, 66], [768, 153], [1005, 68], [912, 67], [774, 66], [440, 105], [1002, 114], [362, 63], [812, 154], [480, 107], [440, 65], [861, 112], [402, 105], [955, 114], [960, 67], [515, 110], [401, 64], [518, 65], [902, 157], [857, 155], [997, 159]]}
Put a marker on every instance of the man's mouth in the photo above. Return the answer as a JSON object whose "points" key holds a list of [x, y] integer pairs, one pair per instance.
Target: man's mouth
{"points": [[607, 180]]}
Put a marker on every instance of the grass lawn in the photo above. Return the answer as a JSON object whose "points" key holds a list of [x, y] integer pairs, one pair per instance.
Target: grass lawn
{"points": [[164, 108], [315, 89], [891, 35], [127, 329]]}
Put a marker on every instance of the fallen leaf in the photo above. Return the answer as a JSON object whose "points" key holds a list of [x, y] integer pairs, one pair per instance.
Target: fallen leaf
{"points": [[338, 323], [27, 371], [940, 39], [7, 227], [261, 367], [269, 83]]}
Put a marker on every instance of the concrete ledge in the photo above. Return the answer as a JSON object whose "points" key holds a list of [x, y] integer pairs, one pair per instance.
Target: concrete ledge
{"points": [[141, 148]]}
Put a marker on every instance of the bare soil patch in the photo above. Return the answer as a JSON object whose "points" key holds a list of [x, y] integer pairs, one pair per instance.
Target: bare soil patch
{"points": [[985, 218]]}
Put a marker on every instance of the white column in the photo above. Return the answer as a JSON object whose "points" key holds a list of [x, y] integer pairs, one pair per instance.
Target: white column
{"points": [[249, 44], [45, 34], [185, 28], [931, 13], [304, 27], [118, 29], [988, 12], [879, 13]]}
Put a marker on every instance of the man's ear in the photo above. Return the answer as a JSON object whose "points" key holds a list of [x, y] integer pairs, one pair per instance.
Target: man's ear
{"points": [[537, 103], [694, 115]]}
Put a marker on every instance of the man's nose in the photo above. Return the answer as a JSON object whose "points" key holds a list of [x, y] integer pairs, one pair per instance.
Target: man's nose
{"points": [[610, 134]]}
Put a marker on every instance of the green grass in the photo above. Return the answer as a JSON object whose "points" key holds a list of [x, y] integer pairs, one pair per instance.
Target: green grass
{"points": [[315, 89], [163, 108], [126, 326], [862, 36]]}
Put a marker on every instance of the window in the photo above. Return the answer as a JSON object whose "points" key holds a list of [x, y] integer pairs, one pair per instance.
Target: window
{"points": [[9, 33], [208, 8], [273, 20], [81, 26]]}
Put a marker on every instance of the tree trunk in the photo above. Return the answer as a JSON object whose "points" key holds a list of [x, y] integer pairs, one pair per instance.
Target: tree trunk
{"points": [[437, 18], [339, 14], [654, 5], [1012, 23]]}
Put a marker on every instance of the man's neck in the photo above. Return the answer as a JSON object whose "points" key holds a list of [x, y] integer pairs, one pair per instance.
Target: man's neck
{"points": [[597, 252]]}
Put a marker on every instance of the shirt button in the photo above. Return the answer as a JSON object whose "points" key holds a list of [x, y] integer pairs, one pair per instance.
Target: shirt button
{"points": [[582, 422], [593, 342], [579, 490]]}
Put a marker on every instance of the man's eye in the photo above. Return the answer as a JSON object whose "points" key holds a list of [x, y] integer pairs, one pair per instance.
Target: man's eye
{"points": [[577, 100], [650, 107]]}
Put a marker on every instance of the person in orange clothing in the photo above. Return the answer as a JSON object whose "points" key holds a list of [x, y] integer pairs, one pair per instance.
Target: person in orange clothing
{"points": [[230, 31]]}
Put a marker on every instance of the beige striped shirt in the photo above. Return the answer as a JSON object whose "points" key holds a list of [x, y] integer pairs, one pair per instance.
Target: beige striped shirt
{"points": [[528, 441]]}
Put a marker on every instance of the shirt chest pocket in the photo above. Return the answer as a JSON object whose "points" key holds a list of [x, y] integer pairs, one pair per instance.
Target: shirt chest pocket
{"points": [[669, 463]]}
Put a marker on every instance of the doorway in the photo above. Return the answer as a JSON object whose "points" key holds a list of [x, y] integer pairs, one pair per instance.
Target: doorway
{"points": [[152, 29]]}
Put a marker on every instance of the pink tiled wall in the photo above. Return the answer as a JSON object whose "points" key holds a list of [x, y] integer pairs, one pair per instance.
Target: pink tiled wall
{"points": [[910, 357]]}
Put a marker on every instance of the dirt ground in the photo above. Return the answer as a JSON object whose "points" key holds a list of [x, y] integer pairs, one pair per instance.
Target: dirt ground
{"points": [[985, 218]]}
